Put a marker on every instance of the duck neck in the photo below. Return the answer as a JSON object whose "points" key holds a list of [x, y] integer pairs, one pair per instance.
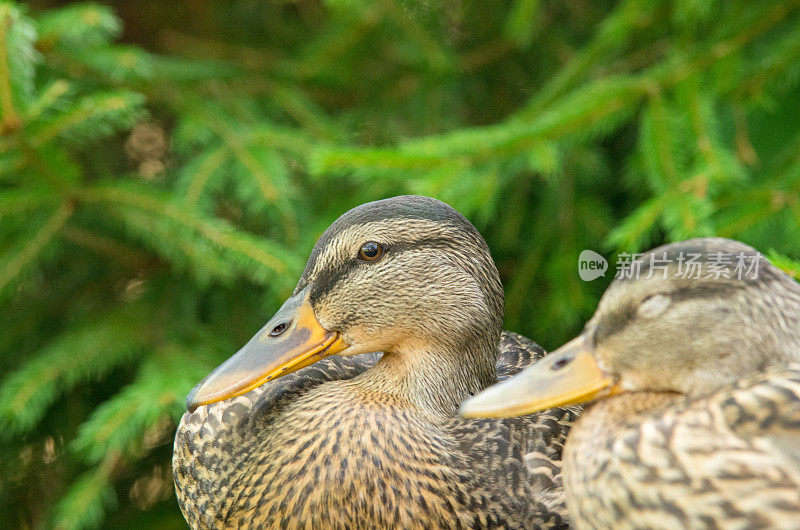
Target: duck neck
{"points": [[585, 456], [435, 378]]}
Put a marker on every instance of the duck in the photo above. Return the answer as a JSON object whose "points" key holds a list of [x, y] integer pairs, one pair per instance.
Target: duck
{"points": [[692, 385], [342, 411]]}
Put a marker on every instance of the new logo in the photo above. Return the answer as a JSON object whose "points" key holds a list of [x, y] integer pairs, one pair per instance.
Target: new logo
{"points": [[591, 265]]}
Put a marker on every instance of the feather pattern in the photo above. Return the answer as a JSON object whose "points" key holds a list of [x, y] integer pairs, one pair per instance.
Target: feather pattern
{"points": [[706, 433], [730, 460], [314, 450]]}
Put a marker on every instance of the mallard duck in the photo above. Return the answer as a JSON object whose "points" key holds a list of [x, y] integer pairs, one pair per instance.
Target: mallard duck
{"points": [[374, 441], [696, 422]]}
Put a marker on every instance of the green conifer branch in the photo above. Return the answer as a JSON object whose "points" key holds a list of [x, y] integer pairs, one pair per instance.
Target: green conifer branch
{"points": [[47, 99], [783, 56], [785, 263], [636, 230], [337, 42], [160, 388], [214, 232], [629, 16], [80, 25], [267, 178], [436, 57], [123, 254], [70, 358], [746, 218], [16, 201], [284, 139], [51, 164], [15, 262], [308, 115], [90, 496], [208, 166], [117, 64], [661, 141], [93, 116], [249, 161], [521, 21], [327, 158], [180, 248], [586, 111], [118, 424], [705, 145], [586, 106], [669, 75], [10, 120]]}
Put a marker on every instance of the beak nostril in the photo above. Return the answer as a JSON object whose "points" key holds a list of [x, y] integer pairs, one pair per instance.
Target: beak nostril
{"points": [[561, 363], [279, 329]]}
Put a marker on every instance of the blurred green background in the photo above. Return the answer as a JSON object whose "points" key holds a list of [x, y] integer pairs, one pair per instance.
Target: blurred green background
{"points": [[166, 167]]}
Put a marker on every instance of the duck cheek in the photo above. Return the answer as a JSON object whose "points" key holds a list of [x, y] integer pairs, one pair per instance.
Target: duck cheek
{"points": [[643, 378], [605, 359], [362, 340]]}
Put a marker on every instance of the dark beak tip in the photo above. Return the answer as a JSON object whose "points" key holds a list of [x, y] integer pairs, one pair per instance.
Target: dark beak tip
{"points": [[191, 405], [191, 399], [192, 402]]}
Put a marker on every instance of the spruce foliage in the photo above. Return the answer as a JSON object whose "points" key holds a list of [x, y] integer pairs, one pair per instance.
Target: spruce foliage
{"points": [[159, 197]]}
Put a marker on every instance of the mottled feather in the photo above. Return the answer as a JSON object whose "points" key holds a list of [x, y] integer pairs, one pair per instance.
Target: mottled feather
{"points": [[706, 431], [729, 460], [267, 460]]}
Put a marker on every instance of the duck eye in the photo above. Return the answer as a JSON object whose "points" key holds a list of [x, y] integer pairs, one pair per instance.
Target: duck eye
{"points": [[560, 363], [370, 251], [653, 305], [278, 330]]}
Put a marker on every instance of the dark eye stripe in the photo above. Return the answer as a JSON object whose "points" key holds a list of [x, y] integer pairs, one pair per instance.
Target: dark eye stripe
{"points": [[613, 323], [719, 289], [617, 321], [434, 242], [326, 278]]}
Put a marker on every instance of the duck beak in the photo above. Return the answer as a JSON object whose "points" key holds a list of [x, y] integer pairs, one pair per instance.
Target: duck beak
{"points": [[291, 340], [567, 376]]}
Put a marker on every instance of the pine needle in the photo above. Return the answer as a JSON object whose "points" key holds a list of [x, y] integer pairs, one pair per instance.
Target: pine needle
{"points": [[14, 263]]}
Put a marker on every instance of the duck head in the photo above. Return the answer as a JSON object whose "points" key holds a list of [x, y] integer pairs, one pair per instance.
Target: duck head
{"points": [[686, 317], [408, 276]]}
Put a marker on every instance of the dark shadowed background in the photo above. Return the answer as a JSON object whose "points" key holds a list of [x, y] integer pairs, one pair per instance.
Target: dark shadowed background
{"points": [[166, 167]]}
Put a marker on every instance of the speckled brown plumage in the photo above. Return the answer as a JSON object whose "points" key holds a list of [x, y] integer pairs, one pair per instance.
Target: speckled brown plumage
{"points": [[730, 460], [374, 441], [310, 449], [706, 431]]}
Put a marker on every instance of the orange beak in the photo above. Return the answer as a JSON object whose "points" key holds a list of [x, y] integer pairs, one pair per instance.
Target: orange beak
{"points": [[291, 340], [567, 376]]}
